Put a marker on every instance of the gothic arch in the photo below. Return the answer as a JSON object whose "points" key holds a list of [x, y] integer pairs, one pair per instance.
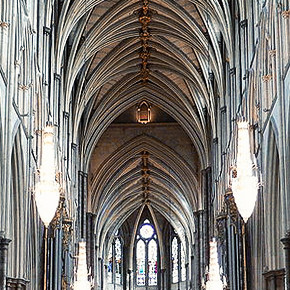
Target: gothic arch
{"points": [[114, 197], [108, 111], [273, 208], [18, 208]]}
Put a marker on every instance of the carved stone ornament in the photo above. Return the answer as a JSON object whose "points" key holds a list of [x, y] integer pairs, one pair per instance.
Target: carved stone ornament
{"points": [[67, 225], [266, 78], [145, 16], [231, 204], [4, 24], [272, 52], [285, 14]]}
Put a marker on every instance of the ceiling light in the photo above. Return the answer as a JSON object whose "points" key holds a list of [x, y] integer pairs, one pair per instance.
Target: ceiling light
{"points": [[245, 185], [214, 278], [82, 274], [47, 189]]}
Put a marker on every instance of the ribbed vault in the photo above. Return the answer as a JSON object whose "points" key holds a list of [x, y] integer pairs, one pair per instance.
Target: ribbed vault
{"points": [[123, 184], [105, 63], [163, 52]]}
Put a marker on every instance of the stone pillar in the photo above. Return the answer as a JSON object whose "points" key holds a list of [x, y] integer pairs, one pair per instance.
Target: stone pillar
{"points": [[90, 242], [82, 199], [102, 268], [57, 96], [192, 280], [130, 279], [187, 276], [199, 266], [4, 242], [163, 279], [286, 242]]}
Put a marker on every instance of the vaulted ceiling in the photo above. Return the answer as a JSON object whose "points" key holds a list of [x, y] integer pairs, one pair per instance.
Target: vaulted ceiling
{"points": [[117, 53]]}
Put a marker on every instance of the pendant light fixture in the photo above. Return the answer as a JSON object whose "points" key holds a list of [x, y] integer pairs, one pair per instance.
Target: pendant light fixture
{"points": [[245, 184], [82, 282], [47, 189], [214, 278]]}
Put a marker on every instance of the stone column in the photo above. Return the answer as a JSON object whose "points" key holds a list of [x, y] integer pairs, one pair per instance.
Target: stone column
{"points": [[197, 269], [102, 268], [130, 279], [286, 242], [187, 276], [163, 279], [57, 97], [82, 199], [90, 242], [194, 282], [4, 242]]}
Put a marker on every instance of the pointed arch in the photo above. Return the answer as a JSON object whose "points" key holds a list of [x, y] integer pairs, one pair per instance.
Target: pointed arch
{"points": [[273, 207]]}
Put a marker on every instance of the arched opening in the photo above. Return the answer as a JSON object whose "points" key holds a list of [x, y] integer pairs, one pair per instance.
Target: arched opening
{"points": [[274, 274], [146, 256], [115, 262], [178, 269]]}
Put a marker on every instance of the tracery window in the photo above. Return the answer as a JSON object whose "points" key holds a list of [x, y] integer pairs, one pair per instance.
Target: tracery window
{"points": [[178, 261], [115, 263], [182, 263], [175, 263], [146, 255], [110, 265]]}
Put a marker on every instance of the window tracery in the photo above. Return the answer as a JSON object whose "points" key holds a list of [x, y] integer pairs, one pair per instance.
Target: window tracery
{"points": [[178, 261], [115, 261], [146, 255], [174, 260]]}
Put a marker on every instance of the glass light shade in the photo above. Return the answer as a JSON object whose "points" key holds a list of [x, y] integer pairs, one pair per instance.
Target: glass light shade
{"points": [[214, 280], [245, 185], [82, 282], [144, 113], [47, 189]]}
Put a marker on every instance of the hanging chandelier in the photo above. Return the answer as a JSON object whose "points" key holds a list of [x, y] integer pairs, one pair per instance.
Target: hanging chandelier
{"points": [[214, 278], [245, 184], [47, 189], [82, 282]]}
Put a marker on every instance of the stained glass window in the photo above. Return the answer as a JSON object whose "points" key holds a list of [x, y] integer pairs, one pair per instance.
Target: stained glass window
{"points": [[152, 263], [182, 264], [118, 261], [146, 255], [114, 266], [175, 266], [141, 263], [146, 231], [110, 265], [178, 260]]}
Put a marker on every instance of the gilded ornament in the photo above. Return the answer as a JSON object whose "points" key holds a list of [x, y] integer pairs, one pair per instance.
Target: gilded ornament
{"points": [[272, 52], [266, 78], [285, 14], [4, 24]]}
